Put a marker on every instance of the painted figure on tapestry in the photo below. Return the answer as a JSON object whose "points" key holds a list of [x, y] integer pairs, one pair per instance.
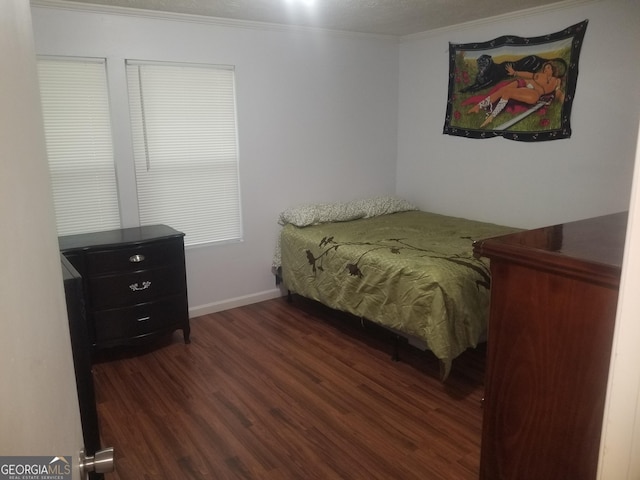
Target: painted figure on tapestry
{"points": [[518, 88], [526, 87]]}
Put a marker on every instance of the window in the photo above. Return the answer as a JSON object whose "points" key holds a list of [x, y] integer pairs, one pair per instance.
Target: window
{"points": [[185, 149], [77, 126], [183, 121]]}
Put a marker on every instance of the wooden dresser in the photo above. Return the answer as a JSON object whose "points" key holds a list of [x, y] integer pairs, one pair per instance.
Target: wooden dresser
{"points": [[134, 283], [554, 294]]}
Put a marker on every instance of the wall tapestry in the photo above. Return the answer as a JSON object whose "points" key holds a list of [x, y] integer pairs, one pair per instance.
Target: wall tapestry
{"points": [[514, 87]]}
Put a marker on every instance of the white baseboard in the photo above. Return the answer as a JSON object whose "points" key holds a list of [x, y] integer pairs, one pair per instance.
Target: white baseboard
{"points": [[234, 302]]}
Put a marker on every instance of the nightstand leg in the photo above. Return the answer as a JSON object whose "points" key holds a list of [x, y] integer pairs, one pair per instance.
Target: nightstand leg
{"points": [[186, 333]]}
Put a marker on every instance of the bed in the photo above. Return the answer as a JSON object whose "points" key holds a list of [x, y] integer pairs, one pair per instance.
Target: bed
{"points": [[383, 260]]}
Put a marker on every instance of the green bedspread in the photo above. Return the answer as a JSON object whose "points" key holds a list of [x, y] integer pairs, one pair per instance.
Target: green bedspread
{"points": [[411, 271]]}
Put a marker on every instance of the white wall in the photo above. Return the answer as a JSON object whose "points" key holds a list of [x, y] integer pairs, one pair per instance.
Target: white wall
{"points": [[517, 183], [39, 412], [317, 116]]}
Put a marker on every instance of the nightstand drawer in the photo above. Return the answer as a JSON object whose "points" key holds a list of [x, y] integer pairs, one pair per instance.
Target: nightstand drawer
{"points": [[135, 258], [135, 322], [111, 291]]}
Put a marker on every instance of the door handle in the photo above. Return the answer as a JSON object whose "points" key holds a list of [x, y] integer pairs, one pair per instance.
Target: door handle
{"points": [[101, 462]]}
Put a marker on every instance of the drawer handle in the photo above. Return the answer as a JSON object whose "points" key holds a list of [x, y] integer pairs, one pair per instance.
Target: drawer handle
{"points": [[136, 288], [136, 258], [143, 319]]}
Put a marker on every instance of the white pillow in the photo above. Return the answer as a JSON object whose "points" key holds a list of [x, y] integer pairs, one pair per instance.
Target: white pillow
{"points": [[313, 214], [338, 212], [374, 207], [298, 216], [306, 215]]}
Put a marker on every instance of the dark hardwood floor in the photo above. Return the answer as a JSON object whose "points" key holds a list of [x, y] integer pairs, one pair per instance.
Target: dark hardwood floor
{"points": [[280, 390]]}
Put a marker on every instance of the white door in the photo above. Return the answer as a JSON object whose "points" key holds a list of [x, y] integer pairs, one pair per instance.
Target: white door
{"points": [[39, 413]]}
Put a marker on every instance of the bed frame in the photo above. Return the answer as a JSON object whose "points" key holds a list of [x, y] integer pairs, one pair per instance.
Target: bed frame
{"points": [[410, 271]]}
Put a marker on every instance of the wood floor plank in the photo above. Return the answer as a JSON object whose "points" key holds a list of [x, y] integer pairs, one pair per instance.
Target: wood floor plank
{"points": [[280, 390]]}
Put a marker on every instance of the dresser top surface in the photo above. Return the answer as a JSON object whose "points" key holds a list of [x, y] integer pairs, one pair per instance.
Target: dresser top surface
{"points": [[121, 236], [598, 240]]}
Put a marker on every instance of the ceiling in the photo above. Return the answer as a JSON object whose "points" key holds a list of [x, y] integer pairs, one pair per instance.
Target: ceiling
{"points": [[385, 17]]}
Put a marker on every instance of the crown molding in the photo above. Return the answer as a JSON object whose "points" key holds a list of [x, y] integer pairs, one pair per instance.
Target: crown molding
{"points": [[264, 26], [200, 19], [500, 18]]}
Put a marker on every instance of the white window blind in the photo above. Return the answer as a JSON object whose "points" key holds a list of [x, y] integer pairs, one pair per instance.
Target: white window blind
{"points": [[183, 120], [77, 128]]}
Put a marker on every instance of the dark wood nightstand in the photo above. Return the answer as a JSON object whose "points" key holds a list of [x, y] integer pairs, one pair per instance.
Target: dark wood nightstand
{"points": [[134, 282]]}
